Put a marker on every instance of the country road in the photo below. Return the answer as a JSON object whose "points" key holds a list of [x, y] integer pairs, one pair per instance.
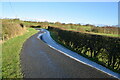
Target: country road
{"points": [[38, 60]]}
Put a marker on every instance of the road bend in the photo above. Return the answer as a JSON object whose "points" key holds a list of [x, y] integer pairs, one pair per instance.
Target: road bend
{"points": [[38, 60]]}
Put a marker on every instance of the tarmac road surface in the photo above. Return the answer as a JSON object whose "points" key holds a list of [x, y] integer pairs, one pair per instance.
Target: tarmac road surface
{"points": [[38, 60]]}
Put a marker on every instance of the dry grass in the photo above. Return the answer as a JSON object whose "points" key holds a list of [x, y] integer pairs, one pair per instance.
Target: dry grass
{"points": [[11, 29]]}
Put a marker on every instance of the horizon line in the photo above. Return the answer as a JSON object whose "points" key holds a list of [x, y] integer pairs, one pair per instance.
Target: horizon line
{"points": [[36, 20]]}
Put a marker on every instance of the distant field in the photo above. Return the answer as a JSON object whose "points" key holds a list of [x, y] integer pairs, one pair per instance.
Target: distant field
{"points": [[11, 67], [106, 31], [112, 35], [104, 34]]}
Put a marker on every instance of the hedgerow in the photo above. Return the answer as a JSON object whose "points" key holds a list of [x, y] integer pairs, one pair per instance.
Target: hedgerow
{"points": [[102, 49]]}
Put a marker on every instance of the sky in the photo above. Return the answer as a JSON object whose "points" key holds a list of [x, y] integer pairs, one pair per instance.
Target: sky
{"points": [[60, 0], [66, 12]]}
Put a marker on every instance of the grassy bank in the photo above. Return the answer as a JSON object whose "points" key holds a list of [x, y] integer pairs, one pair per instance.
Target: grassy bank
{"points": [[11, 55], [11, 28]]}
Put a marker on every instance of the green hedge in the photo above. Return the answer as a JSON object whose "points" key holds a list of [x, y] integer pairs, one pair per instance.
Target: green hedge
{"points": [[102, 49]]}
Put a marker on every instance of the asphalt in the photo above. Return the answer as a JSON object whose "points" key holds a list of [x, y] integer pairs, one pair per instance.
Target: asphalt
{"points": [[38, 60]]}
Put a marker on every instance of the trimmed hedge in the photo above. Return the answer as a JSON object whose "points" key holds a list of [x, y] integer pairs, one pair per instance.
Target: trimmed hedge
{"points": [[102, 49]]}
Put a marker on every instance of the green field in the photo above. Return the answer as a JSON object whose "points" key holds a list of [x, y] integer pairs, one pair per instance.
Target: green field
{"points": [[112, 35], [11, 48], [89, 29]]}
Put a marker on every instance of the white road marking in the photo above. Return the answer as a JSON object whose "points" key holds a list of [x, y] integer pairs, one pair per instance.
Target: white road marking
{"points": [[116, 75]]}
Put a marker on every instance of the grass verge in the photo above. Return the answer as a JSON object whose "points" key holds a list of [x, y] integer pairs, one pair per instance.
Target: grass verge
{"points": [[11, 55]]}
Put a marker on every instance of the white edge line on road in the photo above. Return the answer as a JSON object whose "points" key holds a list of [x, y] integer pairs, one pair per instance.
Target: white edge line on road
{"points": [[81, 61], [75, 58]]}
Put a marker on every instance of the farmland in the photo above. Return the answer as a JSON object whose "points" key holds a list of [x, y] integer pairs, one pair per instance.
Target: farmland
{"points": [[99, 44]]}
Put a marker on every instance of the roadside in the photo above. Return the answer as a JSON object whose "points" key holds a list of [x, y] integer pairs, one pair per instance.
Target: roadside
{"points": [[71, 46], [73, 55], [11, 49]]}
